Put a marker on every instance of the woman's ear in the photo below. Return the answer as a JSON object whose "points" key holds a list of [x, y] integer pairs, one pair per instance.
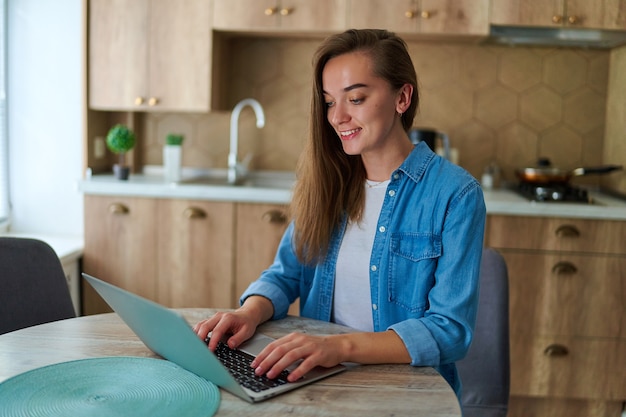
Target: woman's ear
{"points": [[405, 94]]}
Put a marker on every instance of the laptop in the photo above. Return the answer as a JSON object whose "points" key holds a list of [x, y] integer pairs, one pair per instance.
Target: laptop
{"points": [[168, 334]]}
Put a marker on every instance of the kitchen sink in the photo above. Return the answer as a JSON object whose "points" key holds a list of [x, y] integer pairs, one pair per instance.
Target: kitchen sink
{"points": [[255, 179]]}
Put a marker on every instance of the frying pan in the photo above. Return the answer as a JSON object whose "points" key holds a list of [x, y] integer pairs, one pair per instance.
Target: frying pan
{"points": [[552, 175]]}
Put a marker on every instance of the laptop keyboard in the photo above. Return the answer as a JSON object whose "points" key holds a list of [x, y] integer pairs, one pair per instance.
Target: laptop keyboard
{"points": [[238, 364]]}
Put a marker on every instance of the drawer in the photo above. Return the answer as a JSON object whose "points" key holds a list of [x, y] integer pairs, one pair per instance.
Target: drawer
{"points": [[566, 368], [557, 234], [568, 295]]}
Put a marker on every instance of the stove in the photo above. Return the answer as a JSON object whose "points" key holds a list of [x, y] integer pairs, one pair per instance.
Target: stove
{"points": [[559, 193]]}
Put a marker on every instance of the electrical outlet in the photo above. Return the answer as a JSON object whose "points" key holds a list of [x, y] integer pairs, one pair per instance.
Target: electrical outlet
{"points": [[98, 147]]}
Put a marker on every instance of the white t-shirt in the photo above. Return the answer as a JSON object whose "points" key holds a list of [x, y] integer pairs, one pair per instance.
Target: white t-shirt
{"points": [[352, 300]]}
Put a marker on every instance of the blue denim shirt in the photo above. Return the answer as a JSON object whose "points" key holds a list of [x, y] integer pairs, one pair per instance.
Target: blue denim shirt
{"points": [[424, 265]]}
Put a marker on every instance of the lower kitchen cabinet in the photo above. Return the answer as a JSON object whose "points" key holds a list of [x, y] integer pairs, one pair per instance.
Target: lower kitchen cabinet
{"points": [[260, 228], [120, 247], [180, 253], [567, 283], [195, 253]]}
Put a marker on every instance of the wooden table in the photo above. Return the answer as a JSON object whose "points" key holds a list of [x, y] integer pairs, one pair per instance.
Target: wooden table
{"points": [[371, 390]]}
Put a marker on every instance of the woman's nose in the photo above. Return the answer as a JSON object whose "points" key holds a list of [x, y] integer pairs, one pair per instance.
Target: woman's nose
{"points": [[338, 114]]}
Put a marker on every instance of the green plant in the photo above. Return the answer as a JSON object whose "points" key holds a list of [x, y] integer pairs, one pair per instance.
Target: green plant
{"points": [[120, 140], [174, 139]]}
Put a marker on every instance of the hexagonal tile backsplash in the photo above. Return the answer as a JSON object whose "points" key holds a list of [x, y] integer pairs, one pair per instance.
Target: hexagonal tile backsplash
{"points": [[497, 104]]}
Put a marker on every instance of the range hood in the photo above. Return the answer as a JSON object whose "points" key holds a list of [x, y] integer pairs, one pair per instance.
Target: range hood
{"points": [[543, 36]]}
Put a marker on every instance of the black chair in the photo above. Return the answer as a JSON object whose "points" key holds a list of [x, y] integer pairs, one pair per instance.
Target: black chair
{"points": [[33, 289], [485, 371]]}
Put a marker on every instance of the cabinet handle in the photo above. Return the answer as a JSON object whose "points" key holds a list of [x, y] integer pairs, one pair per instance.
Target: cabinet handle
{"points": [[556, 350], [557, 19], [409, 14], [139, 101], [275, 217], [564, 268], [285, 12], [572, 20], [425, 14], [567, 230], [153, 101], [194, 213], [118, 208], [271, 11]]}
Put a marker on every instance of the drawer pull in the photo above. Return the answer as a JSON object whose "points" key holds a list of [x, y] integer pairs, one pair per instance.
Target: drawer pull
{"points": [[194, 213], [567, 230], [118, 208], [564, 268], [556, 351], [275, 217], [271, 11]]}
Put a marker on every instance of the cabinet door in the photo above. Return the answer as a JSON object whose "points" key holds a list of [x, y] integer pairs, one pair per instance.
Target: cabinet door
{"points": [[565, 294], [120, 246], [462, 17], [316, 16], [395, 15], [527, 12], [195, 253], [566, 367], [245, 14], [118, 53], [259, 230], [180, 55]]}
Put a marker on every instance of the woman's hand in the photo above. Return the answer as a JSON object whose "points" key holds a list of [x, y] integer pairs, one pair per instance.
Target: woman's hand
{"points": [[326, 351], [238, 326]]}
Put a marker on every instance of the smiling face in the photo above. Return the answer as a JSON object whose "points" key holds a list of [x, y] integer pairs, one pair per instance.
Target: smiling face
{"points": [[361, 107]]}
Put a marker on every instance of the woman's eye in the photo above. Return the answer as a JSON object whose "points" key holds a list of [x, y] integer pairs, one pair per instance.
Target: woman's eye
{"points": [[330, 103], [356, 100]]}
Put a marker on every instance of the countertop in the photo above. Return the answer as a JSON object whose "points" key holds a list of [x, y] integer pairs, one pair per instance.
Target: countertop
{"points": [[498, 201], [67, 248]]}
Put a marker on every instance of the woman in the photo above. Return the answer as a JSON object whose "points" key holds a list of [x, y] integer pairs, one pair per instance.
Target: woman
{"points": [[387, 236]]}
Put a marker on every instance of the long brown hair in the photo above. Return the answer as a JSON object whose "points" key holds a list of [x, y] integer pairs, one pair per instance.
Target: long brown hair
{"points": [[330, 182]]}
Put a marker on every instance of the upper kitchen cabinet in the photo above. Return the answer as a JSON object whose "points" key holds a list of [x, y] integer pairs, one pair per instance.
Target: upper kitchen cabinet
{"points": [[290, 16], [597, 14], [150, 55], [428, 17]]}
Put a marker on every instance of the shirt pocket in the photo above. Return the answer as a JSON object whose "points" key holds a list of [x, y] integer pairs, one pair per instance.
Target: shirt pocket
{"points": [[412, 265]]}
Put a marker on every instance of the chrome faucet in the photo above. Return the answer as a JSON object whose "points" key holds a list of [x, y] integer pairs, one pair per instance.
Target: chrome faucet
{"points": [[235, 169]]}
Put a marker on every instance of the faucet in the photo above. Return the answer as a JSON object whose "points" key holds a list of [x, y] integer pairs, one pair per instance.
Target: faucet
{"points": [[235, 169]]}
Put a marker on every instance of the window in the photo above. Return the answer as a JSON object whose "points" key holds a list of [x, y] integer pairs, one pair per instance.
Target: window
{"points": [[4, 146]]}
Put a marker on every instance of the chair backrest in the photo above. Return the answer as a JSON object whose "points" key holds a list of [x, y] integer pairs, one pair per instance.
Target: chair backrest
{"points": [[33, 288], [485, 371]]}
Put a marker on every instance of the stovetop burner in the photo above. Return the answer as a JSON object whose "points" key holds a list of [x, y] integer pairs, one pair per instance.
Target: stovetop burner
{"points": [[560, 193]]}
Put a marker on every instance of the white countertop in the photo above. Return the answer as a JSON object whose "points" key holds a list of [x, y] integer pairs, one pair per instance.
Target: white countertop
{"points": [[500, 201]]}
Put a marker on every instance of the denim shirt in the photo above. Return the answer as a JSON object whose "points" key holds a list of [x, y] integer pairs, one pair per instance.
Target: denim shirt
{"points": [[424, 265]]}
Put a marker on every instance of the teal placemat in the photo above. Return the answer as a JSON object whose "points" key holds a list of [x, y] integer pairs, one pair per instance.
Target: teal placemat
{"points": [[107, 387]]}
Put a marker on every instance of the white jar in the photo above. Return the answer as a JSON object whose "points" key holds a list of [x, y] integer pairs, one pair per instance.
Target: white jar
{"points": [[172, 161]]}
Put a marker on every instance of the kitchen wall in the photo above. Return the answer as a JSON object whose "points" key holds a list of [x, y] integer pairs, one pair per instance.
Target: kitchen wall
{"points": [[615, 144], [504, 104]]}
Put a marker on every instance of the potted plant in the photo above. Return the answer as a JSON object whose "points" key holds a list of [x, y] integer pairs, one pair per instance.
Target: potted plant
{"points": [[172, 156], [120, 140]]}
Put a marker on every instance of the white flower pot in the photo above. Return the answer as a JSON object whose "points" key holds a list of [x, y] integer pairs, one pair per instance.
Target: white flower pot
{"points": [[172, 160]]}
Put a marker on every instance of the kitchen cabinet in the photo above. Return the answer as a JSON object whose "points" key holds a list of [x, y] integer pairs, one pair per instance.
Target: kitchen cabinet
{"points": [[176, 252], [260, 228], [150, 55], [180, 253], [195, 253], [434, 17], [567, 313], [120, 237], [598, 14], [279, 15]]}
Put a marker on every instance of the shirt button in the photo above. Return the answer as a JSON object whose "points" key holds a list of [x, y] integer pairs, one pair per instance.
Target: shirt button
{"points": [[382, 229], [392, 193], [396, 176], [374, 306], [373, 268]]}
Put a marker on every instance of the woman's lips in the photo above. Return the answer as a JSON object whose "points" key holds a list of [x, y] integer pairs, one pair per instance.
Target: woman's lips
{"points": [[349, 134]]}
